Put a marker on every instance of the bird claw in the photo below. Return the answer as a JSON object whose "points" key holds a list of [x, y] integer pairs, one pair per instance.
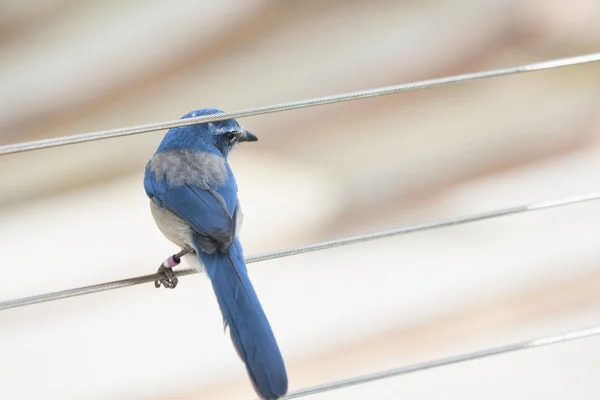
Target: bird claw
{"points": [[169, 281], [168, 278]]}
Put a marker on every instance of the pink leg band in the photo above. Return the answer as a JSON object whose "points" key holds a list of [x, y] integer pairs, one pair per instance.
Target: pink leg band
{"points": [[170, 262]]}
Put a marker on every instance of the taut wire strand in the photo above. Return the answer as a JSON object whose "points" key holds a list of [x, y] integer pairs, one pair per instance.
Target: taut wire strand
{"points": [[362, 94], [544, 341], [310, 248]]}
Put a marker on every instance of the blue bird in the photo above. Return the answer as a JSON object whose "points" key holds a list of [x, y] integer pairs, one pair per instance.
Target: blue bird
{"points": [[193, 199]]}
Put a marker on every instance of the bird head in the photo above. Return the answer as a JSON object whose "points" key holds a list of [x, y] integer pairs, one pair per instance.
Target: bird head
{"points": [[215, 137]]}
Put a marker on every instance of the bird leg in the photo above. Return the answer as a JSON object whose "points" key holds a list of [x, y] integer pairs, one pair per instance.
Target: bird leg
{"points": [[168, 278]]}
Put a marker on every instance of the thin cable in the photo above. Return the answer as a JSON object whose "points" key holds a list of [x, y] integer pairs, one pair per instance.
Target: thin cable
{"points": [[308, 248], [427, 226], [545, 341], [363, 94]]}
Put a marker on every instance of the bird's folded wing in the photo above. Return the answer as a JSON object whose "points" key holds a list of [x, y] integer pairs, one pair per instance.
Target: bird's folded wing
{"points": [[204, 210]]}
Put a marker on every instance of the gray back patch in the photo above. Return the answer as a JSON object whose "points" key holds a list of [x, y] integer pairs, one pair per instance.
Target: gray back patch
{"points": [[195, 167]]}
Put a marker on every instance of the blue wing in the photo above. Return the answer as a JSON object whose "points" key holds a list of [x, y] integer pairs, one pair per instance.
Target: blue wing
{"points": [[209, 211]]}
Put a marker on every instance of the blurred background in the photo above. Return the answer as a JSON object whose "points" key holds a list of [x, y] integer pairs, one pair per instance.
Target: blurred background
{"points": [[78, 215]]}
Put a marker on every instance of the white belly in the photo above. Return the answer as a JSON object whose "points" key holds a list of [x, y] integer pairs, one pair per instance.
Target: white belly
{"points": [[174, 228], [177, 231]]}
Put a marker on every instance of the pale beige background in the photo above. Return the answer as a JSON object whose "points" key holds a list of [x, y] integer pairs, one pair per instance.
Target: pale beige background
{"points": [[78, 215]]}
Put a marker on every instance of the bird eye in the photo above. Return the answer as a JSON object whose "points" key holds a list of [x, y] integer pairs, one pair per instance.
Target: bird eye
{"points": [[230, 137]]}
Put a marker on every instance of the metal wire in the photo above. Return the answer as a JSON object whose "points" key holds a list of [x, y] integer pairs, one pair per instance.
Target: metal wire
{"points": [[309, 248], [544, 341], [363, 94]]}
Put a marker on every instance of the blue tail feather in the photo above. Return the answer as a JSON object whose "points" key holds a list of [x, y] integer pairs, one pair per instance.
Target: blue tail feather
{"points": [[251, 333]]}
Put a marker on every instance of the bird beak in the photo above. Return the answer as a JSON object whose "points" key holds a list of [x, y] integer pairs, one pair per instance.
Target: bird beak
{"points": [[247, 137]]}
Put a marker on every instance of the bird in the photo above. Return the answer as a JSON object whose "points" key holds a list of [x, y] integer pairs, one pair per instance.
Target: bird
{"points": [[194, 202]]}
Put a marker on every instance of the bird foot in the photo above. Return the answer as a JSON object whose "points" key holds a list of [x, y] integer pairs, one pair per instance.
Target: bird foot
{"points": [[168, 278]]}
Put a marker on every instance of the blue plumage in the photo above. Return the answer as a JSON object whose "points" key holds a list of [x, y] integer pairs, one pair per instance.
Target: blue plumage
{"points": [[194, 201]]}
